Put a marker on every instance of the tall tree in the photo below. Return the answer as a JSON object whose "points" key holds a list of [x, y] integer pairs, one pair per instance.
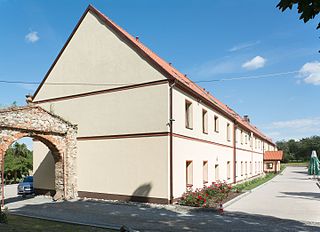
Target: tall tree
{"points": [[18, 162]]}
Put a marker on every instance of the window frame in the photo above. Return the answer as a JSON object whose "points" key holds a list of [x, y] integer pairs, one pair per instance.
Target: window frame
{"points": [[204, 121], [216, 172], [228, 132], [205, 171], [189, 173], [216, 123], [188, 114]]}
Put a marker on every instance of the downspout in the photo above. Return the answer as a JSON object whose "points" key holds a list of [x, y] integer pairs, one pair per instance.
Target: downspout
{"points": [[171, 120], [234, 153], [2, 180]]}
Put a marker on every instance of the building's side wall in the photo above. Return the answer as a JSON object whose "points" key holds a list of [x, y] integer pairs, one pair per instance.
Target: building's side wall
{"points": [[249, 159], [214, 147], [196, 146], [198, 152]]}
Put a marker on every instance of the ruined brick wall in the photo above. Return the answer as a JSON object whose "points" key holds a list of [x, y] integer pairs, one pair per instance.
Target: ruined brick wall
{"points": [[58, 134]]}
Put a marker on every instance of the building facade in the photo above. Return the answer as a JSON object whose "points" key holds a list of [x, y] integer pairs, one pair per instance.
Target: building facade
{"points": [[145, 130], [272, 161]]}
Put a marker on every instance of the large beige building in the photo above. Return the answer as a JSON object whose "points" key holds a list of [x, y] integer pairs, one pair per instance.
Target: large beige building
{"points": [[146, 131]]}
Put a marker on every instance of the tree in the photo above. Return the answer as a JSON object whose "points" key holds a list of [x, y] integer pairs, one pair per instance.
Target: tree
{"points": [[299, 150], [18, 162], [307, 9]]}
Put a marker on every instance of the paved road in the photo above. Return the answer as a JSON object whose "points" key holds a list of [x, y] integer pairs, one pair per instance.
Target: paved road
{"points": [[292, 195], [148, 217]]}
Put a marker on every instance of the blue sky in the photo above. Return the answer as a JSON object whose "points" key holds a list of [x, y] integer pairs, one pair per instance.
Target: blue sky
{"points": [[204, 39]]}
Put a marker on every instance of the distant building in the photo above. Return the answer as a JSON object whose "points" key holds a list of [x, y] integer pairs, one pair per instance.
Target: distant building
{"points": [[271, 161], [146, 131]]}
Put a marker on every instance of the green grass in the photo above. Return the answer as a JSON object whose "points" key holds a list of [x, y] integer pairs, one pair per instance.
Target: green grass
{"points": [[297, 164], [26, 224], [254, 183]]}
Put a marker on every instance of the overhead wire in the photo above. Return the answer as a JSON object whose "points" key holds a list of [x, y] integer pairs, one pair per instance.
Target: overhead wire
{"points": [[270, 75]]}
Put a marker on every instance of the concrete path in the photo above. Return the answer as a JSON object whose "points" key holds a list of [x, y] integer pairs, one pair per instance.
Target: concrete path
{"points": [[150, 217], [291, 195]]}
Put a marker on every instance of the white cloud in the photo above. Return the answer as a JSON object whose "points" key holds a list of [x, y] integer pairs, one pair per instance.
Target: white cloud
{"points": [[297, 123], [311, 73], [294, 129], [243, 46], [254, 63], [32, 37]]}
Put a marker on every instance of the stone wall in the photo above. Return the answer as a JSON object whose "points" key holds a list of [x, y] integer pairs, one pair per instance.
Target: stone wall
{"points": [[55, 132]]}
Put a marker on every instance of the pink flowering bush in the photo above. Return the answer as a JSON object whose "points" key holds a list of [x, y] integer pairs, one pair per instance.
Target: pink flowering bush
{"points": [[210, 196]]}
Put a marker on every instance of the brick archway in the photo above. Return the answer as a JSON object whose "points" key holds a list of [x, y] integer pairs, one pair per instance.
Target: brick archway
{"points": [[56, 133]]}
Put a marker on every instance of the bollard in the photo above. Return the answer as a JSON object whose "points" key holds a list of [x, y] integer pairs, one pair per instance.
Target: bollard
{"points": [[220, 208]]}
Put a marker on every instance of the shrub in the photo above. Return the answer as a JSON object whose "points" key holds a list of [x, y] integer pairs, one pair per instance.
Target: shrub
{"points": [[210, 196]]}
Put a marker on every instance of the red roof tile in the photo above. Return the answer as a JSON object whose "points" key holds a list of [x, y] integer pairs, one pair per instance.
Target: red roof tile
{"points": [[273, 155]]}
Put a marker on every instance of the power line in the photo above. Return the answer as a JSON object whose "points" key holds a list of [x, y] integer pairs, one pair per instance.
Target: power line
{"points": [[64, 83], [249, 77], [123, 84]]}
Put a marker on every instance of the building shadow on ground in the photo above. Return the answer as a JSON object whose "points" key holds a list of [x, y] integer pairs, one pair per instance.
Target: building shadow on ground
{"points": [[304, 195], [17, 199], [151, 217], [301, 172]]}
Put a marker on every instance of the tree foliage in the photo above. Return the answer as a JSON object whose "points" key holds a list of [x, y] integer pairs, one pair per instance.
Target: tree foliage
{"points": [[18, 162], [299, 150], [307, 9]]}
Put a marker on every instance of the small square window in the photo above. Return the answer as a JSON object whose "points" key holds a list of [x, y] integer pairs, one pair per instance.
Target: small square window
{"points": [[269, 165]]}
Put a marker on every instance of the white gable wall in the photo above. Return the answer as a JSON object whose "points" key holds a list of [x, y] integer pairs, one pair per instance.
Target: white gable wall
{"points": [[96, 55], [131, 165]]}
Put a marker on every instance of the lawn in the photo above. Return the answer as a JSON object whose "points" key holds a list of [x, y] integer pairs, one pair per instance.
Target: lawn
{"points": [[246, 186], [259, 181], [26, 224], [297, 164]]}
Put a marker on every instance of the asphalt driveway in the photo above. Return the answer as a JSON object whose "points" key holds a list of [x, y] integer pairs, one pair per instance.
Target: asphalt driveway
{"points": [[150, 217], [291, 195]]}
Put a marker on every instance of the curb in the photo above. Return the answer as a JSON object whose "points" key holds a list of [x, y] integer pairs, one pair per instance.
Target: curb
{"points": [[232, 201], [104, 226]]}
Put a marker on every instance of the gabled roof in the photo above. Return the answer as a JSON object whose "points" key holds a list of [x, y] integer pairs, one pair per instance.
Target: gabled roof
{"points": [[273, 155], [166, 69]]}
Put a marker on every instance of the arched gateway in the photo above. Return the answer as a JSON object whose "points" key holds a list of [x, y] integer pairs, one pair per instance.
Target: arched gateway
{"points": [[58, 134]]}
